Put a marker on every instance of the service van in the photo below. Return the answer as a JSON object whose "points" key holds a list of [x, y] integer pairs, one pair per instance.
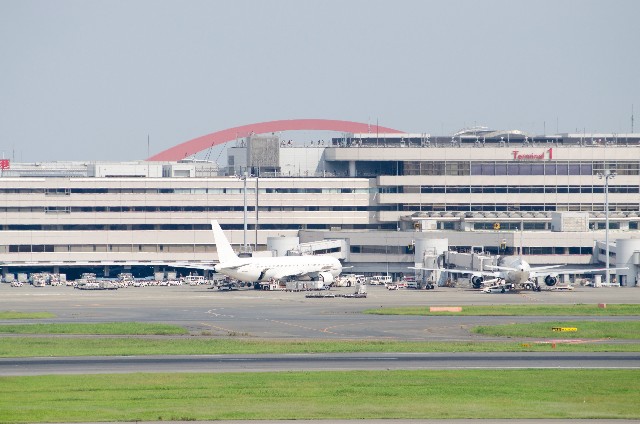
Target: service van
{"points": [[380, 280]]}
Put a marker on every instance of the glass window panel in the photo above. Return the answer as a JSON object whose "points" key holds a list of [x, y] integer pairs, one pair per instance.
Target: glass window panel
{"points": [[524, 169], [562, 169], [574, 169], [537, 169], [488, 169], [550, 169]]}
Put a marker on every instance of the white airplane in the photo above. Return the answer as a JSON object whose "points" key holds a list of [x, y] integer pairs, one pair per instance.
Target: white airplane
{"points": [[324, 268], [516, 273]]}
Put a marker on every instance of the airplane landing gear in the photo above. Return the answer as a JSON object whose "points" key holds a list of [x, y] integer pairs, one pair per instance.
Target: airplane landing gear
{"points": [[532, 286]]}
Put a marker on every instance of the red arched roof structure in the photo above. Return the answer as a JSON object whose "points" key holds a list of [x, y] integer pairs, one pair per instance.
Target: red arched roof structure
{"points": [[204, 142]]}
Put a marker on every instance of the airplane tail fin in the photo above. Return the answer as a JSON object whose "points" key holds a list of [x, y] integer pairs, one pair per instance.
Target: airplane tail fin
{"points": [[225, 251]]}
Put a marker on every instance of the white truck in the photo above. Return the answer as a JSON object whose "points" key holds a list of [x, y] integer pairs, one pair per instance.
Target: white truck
{"points": [[380, 280]]}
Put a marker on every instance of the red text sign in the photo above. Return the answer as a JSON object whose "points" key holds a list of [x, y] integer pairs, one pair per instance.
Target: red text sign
{"points": [[545, 155]]}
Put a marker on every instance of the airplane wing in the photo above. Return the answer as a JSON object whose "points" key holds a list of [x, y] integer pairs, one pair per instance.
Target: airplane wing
{"points": [[456, 271], [296, 273], [204, 266], [546, 270], [501, 268]]}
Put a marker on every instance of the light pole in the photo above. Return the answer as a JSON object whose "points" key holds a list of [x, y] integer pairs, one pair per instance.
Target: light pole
{"points": [[607, 175], [244, 192]]}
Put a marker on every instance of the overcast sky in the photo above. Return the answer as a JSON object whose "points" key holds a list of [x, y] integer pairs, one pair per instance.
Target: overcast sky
{"points": [[89, 80]]}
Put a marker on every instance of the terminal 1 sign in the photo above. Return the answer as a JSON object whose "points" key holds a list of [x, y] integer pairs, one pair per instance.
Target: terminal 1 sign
{"points": [[544, 155]]}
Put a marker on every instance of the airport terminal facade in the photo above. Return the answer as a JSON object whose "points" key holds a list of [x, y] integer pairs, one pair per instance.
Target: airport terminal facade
{"points": [[380, 193]]}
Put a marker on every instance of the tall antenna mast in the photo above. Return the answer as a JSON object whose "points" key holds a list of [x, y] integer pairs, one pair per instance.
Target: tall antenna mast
{"points": [[631, 118]]}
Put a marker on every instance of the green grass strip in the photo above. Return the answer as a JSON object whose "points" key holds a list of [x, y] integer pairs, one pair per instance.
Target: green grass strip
{"points": [[517, 310], [585, 330], [14, 347], [109, 328], [25, 315], [506, 394]]}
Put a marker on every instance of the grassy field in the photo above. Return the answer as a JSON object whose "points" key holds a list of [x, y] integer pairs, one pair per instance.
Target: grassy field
{"points": [[25, 315], [109, 328], [585, 330], [518, 310], [322, 395], [13, 347], [160, 339]]}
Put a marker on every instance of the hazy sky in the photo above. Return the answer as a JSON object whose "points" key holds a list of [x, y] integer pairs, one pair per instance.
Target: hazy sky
{"points": [[89, 80]]}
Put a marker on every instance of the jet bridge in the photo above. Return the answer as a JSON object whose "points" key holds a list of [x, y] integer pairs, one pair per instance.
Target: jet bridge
{"points": [[331, 247], [476, 260]]}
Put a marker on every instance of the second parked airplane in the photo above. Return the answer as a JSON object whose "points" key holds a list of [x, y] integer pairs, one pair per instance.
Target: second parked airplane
{"points": [[516, 273]]}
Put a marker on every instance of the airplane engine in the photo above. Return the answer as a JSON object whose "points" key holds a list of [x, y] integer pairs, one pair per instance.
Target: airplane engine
{"points": [[551, 280], [327, 277], [476, 281]]}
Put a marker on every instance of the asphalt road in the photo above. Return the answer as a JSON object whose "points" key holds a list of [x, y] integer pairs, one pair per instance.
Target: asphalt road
{"points": [[316, 362]]}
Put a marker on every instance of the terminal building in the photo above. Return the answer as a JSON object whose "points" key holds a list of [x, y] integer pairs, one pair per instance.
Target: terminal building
{"points": [[378, 193]]}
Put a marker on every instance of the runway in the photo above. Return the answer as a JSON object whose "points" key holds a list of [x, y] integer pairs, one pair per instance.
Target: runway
{"points": [[316, 362]]}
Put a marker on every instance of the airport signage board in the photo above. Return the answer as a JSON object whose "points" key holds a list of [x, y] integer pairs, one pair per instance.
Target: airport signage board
{"points": [[4, 163], [522, 156]]}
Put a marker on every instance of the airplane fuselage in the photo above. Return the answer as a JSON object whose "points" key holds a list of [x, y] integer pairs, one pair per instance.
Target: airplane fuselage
{"points": [[520, 274], [264, 269]]}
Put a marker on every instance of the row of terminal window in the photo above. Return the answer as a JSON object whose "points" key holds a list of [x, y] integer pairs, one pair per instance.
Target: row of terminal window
{"points": [[613, 224], [183, 208], [519, 189], [365, 249], [528, 250], [518, 207], [190, 227], [518, 168], [409, 207], [250, 190]]}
